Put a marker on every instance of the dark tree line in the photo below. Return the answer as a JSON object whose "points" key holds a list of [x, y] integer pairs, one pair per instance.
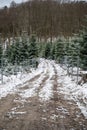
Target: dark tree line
{"points": [[48, 18]]}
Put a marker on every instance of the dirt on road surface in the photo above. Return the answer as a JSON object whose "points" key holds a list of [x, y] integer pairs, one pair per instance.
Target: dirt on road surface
{"points": [[18, 111]]}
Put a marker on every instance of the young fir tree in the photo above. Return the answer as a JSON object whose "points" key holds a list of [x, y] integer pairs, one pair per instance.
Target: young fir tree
{"points": [[59, 51], [48, 51], [24, 49], [13, 52], [41, 50], [72, 51], [53, 52], [0, 52], [83, 50], [33, 51], [18, 51]]}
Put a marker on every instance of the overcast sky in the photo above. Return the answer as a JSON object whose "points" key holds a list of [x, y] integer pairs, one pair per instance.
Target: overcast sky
{"points": [[7, 2]]}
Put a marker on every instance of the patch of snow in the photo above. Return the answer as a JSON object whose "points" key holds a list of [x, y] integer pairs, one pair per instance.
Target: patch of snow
{"points": [[47, 92], [63, 110], [83, 109], [28, 93], [17, 113], [13, 82], [13, 113], [33, 88], [68, 87], [71, 90], [54, 117], [43, 118]]}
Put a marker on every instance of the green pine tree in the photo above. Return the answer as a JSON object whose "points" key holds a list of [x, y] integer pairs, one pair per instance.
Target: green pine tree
{"points": [[24, 49], [59, 51], [41, 49], [53, 52], [83, 50], [13, 52], [0, 52], [33, 51], [72, 51], [48, 50]]}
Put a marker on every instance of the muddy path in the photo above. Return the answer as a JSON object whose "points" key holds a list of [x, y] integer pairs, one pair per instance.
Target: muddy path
{"points": [[20, 112]]}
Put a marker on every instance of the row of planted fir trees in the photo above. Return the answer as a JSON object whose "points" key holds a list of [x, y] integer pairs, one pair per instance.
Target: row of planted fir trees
{"points": [[70, 52], [20, 50]]}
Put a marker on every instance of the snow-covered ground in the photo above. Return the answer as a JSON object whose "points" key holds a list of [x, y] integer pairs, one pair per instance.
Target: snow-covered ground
{"points": [[45, 72], [72, 91], [13, 82]]}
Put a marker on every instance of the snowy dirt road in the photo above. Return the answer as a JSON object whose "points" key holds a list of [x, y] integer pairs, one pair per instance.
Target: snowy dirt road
{"points": [[39, 104]]}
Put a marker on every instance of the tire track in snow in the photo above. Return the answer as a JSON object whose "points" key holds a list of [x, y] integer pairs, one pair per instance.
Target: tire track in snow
{"points": [[56, 99], [54, 112], [13, 83], [34, 84], [68, 109], [42, 87], [51, 104], [46, 90], [35, 77]]}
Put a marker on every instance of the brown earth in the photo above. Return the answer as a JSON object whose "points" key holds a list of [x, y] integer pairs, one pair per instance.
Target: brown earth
{"points": [[33, 114]]}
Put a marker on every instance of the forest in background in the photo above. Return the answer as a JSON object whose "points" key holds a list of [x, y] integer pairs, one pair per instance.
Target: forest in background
{"points": [[46, 19], [50, 29]]}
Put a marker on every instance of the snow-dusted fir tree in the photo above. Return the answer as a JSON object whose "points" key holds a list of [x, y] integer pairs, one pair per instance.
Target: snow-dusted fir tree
{"points": [[33, 50], [72, 51], [83, 49], [18, 51], [41, 49], [13, 52], [24, 49], [53, 51], [1, 61], [0, 51], [48, 50], [59, 51]]}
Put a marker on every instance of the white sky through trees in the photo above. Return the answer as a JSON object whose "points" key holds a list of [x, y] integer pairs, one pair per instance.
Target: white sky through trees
{"points": [[7, 2]]}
